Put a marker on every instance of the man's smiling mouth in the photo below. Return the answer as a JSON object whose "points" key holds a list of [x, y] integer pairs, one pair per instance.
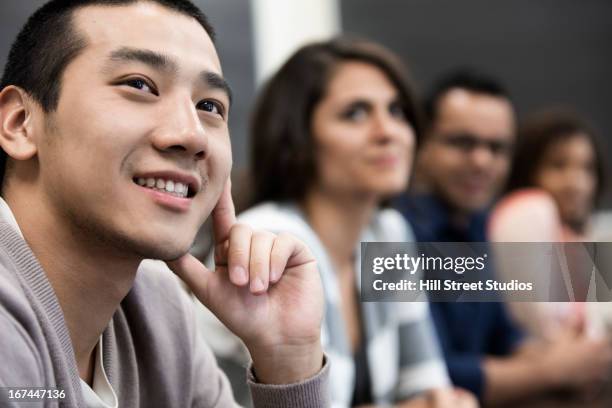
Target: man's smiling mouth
{"points": [[168, 186]]}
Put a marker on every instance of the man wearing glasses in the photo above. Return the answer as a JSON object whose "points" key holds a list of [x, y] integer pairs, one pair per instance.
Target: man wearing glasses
{"points": [[465, 158], [462, 165]]}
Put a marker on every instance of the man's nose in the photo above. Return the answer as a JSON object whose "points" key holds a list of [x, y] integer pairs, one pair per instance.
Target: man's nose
{"points": [[181, 130], [576, 179], [481, 156]]}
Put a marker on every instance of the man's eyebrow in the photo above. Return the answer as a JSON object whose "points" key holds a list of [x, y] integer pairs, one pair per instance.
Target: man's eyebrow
{"points": [[153, 59], [216, 81]]}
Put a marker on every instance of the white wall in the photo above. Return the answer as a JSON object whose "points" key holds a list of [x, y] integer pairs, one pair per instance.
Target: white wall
{"points": [[282, 26]]}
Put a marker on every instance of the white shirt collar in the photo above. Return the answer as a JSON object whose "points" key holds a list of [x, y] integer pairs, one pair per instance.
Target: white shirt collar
{"points": [[7, 214]]}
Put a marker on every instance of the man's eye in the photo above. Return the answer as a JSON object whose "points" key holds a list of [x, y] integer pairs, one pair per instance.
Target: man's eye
{"points": [[141, 85], [211, 106]]}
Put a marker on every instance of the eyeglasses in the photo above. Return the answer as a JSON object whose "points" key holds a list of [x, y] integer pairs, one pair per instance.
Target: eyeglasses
{"points": [[467, 143]]}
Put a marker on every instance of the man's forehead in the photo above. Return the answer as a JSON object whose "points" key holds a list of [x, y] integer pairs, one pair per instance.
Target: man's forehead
{"points": [[465, 101], [476, 112], [147, 25]]}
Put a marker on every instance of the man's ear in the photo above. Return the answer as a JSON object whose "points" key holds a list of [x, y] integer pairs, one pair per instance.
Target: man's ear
{"points": [[16, 123]]}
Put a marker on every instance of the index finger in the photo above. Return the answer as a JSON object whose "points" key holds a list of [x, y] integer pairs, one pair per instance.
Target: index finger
{"points": [[224, 214]]}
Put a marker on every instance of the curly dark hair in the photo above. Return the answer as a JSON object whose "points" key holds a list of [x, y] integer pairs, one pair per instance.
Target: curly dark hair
{"points": [[544, 129]]}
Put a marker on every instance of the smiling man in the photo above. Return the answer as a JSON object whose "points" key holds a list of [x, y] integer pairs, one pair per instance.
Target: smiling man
{"points": [[461, 166], [115, 149]]}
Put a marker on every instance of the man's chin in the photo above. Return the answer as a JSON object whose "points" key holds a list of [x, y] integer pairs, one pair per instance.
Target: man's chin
{"points": [[163, 251], [471, 205], [174, 257], [477, 206]]}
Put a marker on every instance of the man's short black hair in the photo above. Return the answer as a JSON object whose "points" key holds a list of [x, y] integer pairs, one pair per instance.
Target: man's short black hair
{"points": [[48, 42], [464, 78]]}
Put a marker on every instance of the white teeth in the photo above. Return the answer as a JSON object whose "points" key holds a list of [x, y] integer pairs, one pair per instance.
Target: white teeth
{"points": [[168, 186]]}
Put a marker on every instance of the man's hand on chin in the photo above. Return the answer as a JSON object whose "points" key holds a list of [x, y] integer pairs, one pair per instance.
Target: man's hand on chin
{"points": [[266, 289]]}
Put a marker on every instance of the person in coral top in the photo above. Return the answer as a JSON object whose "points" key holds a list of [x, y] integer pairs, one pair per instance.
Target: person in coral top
{"points": [[557, 179]]}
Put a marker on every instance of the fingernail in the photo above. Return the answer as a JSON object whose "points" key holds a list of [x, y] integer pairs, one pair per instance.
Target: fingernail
{"points": [[273, 276], [240, 275], [257, 285]]}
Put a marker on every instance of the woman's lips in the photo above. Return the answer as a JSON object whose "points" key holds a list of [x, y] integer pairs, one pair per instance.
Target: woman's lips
{"points": [[389, 160]]}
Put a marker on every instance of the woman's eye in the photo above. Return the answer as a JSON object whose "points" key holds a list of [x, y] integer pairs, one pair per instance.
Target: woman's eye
{"points": [[210, 106], [355, 113], [395, 109], [141, 84]]}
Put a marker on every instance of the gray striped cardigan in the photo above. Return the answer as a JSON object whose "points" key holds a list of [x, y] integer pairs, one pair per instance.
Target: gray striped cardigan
{"points": [[404, 357]]}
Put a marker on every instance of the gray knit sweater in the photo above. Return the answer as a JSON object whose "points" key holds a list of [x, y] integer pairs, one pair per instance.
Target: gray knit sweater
{"points": [[153, 354]]}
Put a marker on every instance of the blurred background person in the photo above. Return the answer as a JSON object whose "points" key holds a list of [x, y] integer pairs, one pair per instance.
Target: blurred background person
{"points": [[333, 136], [559, 156], [557, 180], [462, 165], [463, 160]]}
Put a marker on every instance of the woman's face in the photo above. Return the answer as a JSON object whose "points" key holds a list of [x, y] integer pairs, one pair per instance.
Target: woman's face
{"points": [[364, 143], [567, 172]]}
